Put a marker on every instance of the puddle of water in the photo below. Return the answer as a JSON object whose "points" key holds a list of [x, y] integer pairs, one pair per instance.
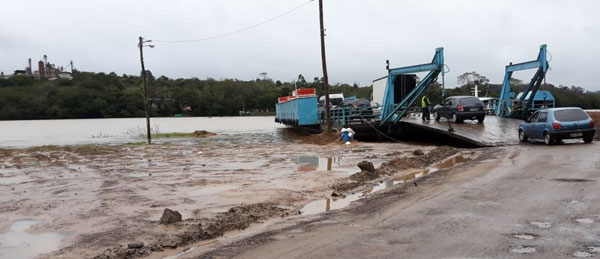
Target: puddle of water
{"points": [[524, 236], [524, 250], [582, 254], [585, 221], [210, 190], [184, 252], [541, 224], [17, 243], [312, 163], [320, 206]]}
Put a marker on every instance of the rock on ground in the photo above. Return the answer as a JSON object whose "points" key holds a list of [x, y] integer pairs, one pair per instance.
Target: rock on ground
{"points": [[170, 216]]}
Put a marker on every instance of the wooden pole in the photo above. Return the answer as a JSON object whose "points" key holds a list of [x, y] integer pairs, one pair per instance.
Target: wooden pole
{"points": [[324, 63], [141, 45]]}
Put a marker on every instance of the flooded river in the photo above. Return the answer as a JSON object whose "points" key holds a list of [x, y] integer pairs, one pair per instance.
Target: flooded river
{"points": [[19, 134]]}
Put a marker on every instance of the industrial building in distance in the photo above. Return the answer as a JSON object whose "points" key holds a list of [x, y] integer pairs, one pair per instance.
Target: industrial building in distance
{"points": [[45, 70]]}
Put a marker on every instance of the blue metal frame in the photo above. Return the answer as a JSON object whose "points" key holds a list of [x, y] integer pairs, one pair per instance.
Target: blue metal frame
{"points": [[520, 108], [390, 110]]}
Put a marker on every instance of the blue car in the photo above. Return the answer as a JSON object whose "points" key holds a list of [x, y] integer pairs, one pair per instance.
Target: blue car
{"points": [[556, 124]]}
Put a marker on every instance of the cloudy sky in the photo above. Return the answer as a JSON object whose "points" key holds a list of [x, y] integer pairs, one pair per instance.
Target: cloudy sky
{"points": [[477, 35]]}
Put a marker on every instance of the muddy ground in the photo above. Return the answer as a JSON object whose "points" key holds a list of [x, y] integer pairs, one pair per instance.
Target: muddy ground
{"points": [[104, 198], [522, 201]]}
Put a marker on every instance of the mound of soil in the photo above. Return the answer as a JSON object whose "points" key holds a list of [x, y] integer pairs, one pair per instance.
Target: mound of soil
{"points": [[322, 138], [402, 163], [391, 167], [345, 186], [203, 133], [192, 230]]}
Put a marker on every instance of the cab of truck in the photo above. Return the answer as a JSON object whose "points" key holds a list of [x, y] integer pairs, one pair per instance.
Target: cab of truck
{"points": [[334, 99]]}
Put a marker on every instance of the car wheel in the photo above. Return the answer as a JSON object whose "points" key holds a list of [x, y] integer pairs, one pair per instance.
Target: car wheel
{"points": [[588, 138], [455, 118], [480, 119], [548, 139], [436, 115], [522, 136]]}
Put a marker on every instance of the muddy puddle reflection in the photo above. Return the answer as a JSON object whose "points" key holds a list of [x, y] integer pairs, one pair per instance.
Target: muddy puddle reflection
{"points": [[313, 163], [335, 203], [17, 243]]}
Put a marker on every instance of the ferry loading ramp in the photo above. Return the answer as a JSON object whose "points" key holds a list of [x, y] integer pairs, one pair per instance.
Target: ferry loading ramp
{"points": [[494, 131]]}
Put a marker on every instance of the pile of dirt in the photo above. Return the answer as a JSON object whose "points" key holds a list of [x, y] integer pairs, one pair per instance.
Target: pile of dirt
{"points": [[193, 230], [322, 138], [421, 161], [368, 173], [342, 187], [203, 134]]}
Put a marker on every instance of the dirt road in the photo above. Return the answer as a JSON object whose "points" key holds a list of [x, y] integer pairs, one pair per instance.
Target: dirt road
{"points": [[526, 200]]}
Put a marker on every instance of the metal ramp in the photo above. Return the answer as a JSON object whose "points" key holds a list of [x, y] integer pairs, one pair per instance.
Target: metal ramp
{"points": [[494, 131]]}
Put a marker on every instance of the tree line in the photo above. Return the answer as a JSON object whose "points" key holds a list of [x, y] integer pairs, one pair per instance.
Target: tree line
{"points": [[100, 95], [565, 96]]}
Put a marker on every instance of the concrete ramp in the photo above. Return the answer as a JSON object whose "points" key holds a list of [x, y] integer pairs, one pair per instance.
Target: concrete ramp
{"points": [[494, 131]]}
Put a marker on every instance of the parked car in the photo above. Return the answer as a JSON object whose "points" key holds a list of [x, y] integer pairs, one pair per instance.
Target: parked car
{"points": [[357, 107], [376, 108], [460, 108], [555, 124]]}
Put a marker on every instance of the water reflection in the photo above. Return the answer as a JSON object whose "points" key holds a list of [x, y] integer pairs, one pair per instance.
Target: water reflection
{"points": [[313, 163], [17, 243], [320, 206]]}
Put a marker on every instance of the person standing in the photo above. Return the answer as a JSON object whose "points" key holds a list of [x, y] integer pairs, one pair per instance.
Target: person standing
{"points": [[425, 107]]}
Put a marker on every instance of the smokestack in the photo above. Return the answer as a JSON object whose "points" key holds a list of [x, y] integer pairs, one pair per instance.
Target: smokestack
{"points": [[45, 64], [29, 70], [42, 69]]}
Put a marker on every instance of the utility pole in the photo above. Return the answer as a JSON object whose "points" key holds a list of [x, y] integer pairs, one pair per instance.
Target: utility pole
{"points": [[324, 62], [141, 45]]}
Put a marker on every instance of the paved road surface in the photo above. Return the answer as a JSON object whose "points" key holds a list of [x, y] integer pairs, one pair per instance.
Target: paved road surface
{"points": [[492, 132], [518, 201]]}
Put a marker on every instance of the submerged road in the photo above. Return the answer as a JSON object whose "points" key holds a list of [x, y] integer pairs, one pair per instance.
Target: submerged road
{"points": [[494, 131], [515, 201]]}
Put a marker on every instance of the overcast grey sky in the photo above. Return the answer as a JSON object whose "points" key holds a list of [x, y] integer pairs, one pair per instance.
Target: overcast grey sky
{"points": [[477, 35]]}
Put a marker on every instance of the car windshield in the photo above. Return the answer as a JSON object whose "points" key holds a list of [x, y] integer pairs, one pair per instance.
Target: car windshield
{"points": [[335, 101], [470, 101], [570, 115]]}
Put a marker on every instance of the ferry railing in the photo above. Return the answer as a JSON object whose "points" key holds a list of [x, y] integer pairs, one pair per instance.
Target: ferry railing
{"points": [[352, 115]]}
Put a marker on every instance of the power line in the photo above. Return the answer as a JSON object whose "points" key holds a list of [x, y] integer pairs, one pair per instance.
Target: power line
{"points": [[240, 30]]}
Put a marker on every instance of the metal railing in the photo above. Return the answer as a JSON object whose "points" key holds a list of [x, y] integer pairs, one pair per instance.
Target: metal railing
{"points": [[352, 115]]}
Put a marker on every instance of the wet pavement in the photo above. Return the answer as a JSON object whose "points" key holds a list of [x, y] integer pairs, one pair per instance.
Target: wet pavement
{"points": [[494, 131]]}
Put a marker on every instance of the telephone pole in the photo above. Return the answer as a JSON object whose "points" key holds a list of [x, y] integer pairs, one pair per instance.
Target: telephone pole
{"points": [[141, 46], [324, 62]]}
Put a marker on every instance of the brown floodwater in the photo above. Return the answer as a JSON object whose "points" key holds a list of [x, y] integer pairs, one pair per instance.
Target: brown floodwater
{"points": [[18, 134]]}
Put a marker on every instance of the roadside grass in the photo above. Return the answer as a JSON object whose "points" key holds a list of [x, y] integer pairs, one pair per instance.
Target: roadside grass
{"points": [[173, 135], [139, 143]]}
